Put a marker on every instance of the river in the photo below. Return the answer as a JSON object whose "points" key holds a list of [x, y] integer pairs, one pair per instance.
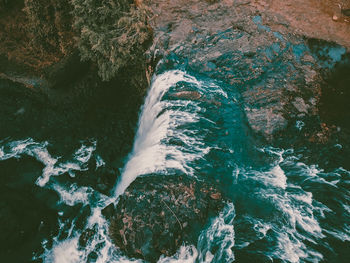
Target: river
{"points": [[280, 210]]}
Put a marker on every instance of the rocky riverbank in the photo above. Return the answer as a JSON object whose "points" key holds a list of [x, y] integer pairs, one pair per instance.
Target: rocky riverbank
{"points": [[270, 54], [289, 62], [257, 47], [50, 87], [281, 57]]}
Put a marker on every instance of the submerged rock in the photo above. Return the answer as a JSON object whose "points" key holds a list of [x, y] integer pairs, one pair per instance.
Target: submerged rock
{"points": [[108, 211], [190, 95], [157, 214]]}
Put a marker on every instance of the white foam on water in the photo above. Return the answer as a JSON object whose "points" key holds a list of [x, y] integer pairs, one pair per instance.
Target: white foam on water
{"points": [[186, 254], [289, 249], [84, 153], [64, 252], [160, 121], [99, 162], [74, 195], [296, 206], [2, 153], [53, 166], [220, 233], [15, 149], [278, 177], [214, 243]]}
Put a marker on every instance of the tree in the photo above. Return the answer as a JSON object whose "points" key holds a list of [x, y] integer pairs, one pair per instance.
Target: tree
{"points": [[112, 33], [50, 24]]}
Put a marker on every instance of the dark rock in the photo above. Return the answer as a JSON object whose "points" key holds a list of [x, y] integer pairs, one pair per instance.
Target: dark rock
{"points": [[248, 51], [66, 71], [157, 214], [86, 237], [92, 257], [261, 50], [108, 211], [106, 179]]}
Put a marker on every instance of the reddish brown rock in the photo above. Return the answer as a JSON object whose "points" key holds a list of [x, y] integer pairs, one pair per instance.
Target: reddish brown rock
{"points": [[190, 95], [157, 214]]}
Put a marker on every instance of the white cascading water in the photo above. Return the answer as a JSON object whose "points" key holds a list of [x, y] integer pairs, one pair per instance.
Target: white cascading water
{"points": [[295, 224], [158, 121]]}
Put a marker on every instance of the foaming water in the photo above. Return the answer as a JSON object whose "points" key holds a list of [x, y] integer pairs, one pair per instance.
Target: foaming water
{"points": [[53, 167], [295, 225], [215, 243], [160, 121], [283, 211]]}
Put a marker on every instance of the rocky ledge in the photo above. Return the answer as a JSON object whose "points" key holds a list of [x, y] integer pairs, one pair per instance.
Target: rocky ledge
{"points": [[273, 52], [157, 214], [61, 78], [279, 59]]}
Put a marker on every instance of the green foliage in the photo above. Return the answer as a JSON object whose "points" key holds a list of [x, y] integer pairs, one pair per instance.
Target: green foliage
{"points": [[49, 21], [112, 33]]}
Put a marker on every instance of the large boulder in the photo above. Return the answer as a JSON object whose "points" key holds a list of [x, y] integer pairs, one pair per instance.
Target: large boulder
{"points": [[266, 50], [157, 214]]}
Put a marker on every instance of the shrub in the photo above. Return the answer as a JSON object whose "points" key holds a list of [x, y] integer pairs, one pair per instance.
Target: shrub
{"points": [[112, 33], [49, 23]]}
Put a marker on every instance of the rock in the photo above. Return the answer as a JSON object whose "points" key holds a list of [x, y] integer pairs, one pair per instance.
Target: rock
{"points": [[86, 237], [108, 211], [265, 121], [215, 196], [157, 214], [263, 50], [300, 105], [106, 179], [335, 18], [189, 95]]}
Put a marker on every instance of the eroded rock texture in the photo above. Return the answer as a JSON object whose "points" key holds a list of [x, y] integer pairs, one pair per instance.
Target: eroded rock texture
{"points": [[261, 48], [157, 214]]}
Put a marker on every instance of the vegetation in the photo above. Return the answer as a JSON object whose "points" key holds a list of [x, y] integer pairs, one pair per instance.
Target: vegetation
{"points": [[49, 24], [112, 33]]}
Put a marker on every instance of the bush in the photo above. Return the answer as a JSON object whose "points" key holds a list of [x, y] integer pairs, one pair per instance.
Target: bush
{"points": [[112, 33], [49, 24]]}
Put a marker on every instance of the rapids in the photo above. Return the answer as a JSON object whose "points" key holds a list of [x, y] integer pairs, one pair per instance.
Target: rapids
{"points": [[281, 209]]}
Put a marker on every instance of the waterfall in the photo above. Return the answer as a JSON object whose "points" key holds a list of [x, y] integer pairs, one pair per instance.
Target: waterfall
{"points": [[159, 122]]}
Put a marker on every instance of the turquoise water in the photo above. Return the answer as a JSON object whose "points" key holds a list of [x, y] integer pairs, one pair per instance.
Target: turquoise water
{"points": [[279, 208]]}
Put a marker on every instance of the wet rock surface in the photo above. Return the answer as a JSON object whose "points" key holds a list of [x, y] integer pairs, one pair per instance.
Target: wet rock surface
{"points": [[157, 214], [259, 48], [278, 65], [48, 93]]}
